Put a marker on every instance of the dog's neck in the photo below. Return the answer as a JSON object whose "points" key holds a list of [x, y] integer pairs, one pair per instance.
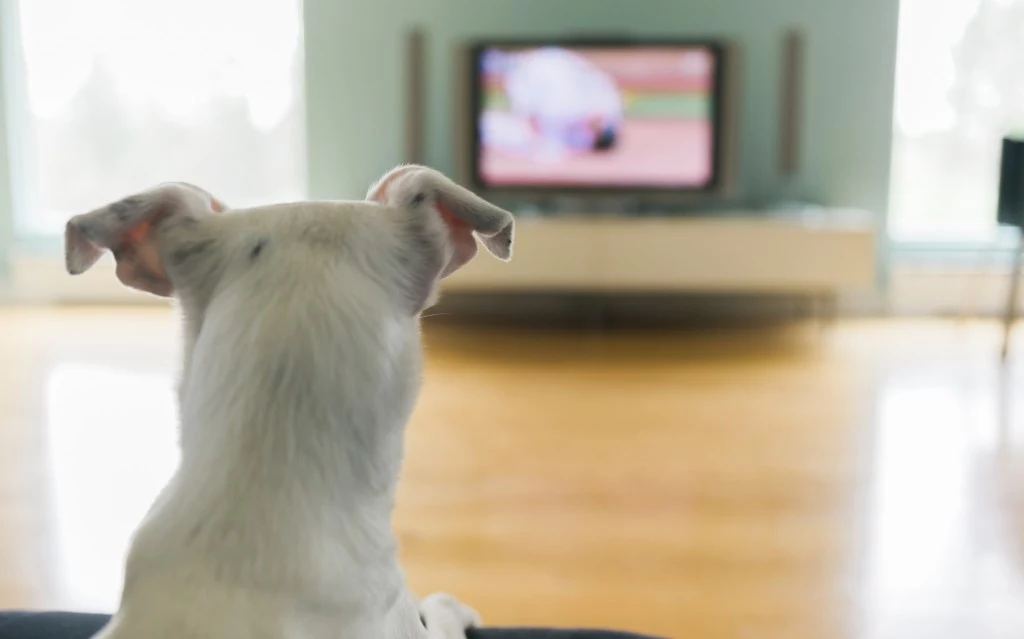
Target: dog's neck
{"points": [[291, 450]]}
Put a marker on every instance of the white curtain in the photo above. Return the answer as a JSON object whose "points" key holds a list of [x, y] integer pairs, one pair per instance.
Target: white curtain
{"points": [[959, 90], [112, 96]]}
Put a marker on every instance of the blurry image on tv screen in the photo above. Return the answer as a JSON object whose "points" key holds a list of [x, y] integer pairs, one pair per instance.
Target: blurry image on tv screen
{"points": [[628, 117]]}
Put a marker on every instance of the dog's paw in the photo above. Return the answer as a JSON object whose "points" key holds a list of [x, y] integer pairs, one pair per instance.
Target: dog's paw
{"points": [[443, 609]]}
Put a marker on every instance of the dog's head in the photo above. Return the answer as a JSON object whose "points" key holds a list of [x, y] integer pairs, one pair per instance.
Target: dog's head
{"points": [[415, 228], [263, 287]]}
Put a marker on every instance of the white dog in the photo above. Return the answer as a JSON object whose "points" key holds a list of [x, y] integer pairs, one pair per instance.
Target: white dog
{"points": [[301, 367]]}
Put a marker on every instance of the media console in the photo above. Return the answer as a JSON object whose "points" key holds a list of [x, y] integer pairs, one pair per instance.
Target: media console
{"points": [[821, 253]]}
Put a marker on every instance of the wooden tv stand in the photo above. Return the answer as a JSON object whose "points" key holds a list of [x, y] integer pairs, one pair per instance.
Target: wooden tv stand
{"points": [[826, 252]]}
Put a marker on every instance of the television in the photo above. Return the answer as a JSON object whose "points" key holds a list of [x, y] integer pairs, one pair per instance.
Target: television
{"points": [[600, 118]]}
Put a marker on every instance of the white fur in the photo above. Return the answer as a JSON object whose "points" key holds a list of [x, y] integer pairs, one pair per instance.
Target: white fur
{"points": [[301, 367]]}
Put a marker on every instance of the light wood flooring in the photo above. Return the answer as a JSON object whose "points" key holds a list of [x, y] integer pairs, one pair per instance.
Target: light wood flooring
{"points": [[867, 481]]}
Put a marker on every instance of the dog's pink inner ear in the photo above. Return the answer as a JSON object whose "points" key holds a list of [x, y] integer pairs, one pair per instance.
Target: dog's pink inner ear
{"points": [[463, 242], [138, 262]]}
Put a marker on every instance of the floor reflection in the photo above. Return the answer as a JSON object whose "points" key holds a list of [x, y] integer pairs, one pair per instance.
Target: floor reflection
{"points": [[935, 550], [936, 535], [112, 438]]}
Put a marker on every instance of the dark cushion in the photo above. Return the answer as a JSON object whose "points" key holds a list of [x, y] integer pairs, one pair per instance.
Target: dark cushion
{"points": [[76, 625]]}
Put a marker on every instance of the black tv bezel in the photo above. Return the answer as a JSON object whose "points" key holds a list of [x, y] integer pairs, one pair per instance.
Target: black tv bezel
{"points": [[719, 50]]}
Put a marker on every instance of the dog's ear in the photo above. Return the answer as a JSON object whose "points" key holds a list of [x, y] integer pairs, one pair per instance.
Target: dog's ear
{"points": [[464, 214], [129, 229]]}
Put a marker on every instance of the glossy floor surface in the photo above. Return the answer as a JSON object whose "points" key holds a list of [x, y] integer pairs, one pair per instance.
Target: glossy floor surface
{"points": [[865, 482]]}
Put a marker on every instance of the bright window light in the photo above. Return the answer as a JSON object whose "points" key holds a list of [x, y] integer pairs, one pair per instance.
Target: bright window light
{"points": [[109, 97], [959, 90]]}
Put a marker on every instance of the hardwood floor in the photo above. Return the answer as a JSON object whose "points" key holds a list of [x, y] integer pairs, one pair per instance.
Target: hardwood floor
{"points": [[868, 482]]}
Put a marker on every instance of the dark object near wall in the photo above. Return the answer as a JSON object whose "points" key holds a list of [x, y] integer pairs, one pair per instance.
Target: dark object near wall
{"points": [[1011, 213], [1011, 183]]}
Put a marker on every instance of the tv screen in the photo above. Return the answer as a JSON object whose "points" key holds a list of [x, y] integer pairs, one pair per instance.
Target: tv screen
{"points": [[596, 117]]}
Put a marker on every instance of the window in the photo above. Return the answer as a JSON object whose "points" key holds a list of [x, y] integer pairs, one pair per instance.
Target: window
{"points": [[108, 97], [959, 90]]}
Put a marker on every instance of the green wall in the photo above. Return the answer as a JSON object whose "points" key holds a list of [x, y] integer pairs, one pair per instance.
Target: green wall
{"points": [[6, 192], [355, 84], [355, 81]]}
